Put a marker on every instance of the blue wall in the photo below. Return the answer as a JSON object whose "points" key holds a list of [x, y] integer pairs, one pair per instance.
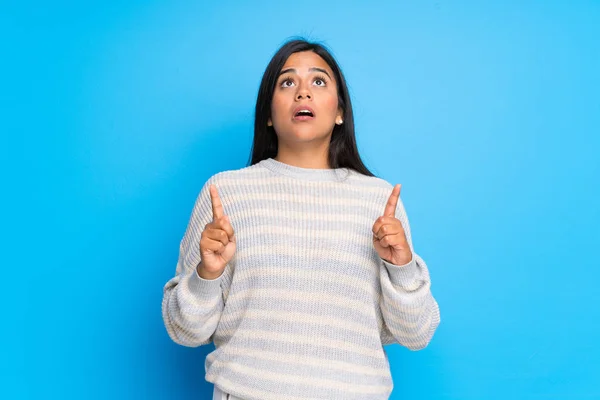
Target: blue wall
{"points": [[114, 115]]}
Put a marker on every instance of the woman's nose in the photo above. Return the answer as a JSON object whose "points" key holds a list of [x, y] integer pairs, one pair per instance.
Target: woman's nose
{"points": [[303, 93]]}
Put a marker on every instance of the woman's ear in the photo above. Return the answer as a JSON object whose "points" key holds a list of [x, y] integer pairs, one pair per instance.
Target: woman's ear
{"points": [[269, 122], [338, 118]]}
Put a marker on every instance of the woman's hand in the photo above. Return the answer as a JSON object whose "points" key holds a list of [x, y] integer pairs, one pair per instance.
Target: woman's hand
{"points": [[388, 234], [217, 244]]}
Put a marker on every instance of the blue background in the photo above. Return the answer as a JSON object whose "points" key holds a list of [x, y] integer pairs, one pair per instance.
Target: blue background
{"points": [[114, 115]]}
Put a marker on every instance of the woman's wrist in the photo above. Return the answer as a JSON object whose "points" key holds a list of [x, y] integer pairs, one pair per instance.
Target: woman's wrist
{"points": [[202, 273]]}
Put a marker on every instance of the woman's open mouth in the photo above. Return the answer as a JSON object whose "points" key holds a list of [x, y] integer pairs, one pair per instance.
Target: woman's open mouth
{"points": [[303, 113]]}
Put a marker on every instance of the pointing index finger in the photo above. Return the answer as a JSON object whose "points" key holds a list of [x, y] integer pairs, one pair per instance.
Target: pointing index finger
{"points": [[217, 206], [390, 207]]}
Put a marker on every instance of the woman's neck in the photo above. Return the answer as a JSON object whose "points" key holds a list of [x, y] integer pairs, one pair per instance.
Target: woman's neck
{"points": [[308, 158]]}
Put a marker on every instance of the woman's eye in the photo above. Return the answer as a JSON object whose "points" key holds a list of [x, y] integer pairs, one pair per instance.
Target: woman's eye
{"points": [[319, 82], [287, 83]]}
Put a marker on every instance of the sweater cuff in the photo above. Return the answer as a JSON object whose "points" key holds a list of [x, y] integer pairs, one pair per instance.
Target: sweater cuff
{"points": [[402, 275], [204, 289]]}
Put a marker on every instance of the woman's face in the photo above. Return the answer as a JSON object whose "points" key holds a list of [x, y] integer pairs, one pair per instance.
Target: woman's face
{"points": [[305, 82]]}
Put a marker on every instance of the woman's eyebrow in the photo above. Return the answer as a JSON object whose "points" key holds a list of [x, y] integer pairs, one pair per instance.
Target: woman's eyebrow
{"points": [[292, 70]]}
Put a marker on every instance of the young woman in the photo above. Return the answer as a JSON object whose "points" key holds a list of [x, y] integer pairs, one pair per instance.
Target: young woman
{"points": [[300, 266]]}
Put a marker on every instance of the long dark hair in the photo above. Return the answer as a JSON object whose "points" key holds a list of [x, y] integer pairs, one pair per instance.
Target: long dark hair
{"points": [[343, 152]]}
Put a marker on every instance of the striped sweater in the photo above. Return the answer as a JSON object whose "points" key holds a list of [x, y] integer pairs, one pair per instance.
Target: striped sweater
{"points": [[304, 307]]}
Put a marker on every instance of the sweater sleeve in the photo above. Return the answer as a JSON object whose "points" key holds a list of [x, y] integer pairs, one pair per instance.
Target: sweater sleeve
{"points": [[191, 305], [409, 310]]}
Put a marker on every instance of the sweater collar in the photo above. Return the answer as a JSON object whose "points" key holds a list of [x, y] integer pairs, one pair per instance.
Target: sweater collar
{"points": [[309, 174]]}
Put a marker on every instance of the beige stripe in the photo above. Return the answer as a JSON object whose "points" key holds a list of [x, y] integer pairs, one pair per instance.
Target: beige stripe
{"points": [[394, 306], [296, 339], [211, 377], [346, 238], [259, 181], [279, 197], [411, 287], [410, 326], [303, 318], [314, 257], [307, 275], [293, 379], [329, 298], [314, 216], [187, 297], [192, 329], [295, 359], [350, 238]]}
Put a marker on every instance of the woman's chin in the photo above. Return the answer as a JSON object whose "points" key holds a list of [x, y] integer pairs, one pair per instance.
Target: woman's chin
{"points": [[304, 136], [304, 133]]}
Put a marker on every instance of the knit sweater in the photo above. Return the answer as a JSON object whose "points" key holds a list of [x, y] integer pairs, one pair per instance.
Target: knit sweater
{"points": [[305, 305]]}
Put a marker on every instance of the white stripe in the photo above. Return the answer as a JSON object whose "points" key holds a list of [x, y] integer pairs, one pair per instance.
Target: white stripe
{"points": [[293, 379]]}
